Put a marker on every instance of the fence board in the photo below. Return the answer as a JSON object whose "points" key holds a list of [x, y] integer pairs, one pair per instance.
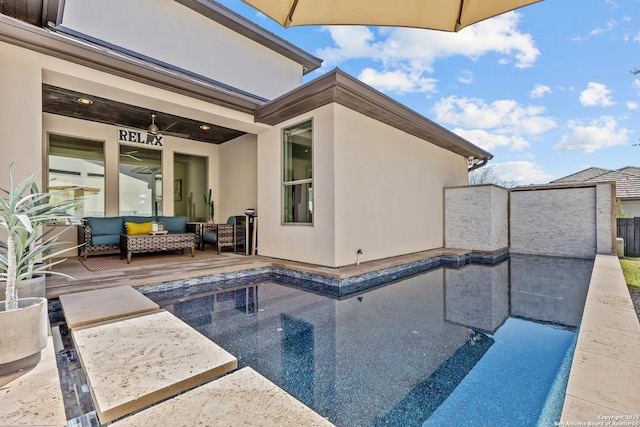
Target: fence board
{"points": [[629, 230]]}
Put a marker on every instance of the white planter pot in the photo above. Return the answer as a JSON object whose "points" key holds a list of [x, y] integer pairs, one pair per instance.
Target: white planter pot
{"points": [[23, 334], [30, 288]]}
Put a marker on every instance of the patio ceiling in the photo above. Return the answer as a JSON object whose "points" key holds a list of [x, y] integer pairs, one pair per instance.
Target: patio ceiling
{"points": [[64, 102]]}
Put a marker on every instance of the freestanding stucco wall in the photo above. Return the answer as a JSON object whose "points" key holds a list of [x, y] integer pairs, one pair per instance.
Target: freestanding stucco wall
{"points": [[574, 221], [476, 217]]}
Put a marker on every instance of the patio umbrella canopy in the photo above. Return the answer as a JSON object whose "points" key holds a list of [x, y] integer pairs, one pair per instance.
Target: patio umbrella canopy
{"points": [[444, 15]]}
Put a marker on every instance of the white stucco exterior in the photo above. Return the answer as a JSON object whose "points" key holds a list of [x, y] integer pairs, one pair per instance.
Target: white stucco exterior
{"points": [[172, 33], [375, 188]]}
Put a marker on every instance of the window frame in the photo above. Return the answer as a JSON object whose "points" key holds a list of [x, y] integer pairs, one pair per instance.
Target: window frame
{"points": [[287, 184]]}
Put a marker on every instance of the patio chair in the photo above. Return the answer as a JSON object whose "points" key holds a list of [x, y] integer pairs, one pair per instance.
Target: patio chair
{"points": [[218, 235]]}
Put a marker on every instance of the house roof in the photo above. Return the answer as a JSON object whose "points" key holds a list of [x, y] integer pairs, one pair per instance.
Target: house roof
{"points": [[340, 88], [627, 180]]}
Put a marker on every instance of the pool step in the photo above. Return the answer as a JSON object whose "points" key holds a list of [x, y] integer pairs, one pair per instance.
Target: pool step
{"points": [[134, 362], [242, 398], [100, 305]]}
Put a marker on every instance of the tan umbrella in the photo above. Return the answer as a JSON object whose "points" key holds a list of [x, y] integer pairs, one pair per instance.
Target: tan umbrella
{"points": [[444, 15]]}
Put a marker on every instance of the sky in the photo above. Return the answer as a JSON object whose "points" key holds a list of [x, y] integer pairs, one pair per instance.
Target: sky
{"points": [[547, 89]]}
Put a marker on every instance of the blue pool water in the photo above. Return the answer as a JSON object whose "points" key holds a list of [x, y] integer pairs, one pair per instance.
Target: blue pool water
{"points": [[475, 345]]}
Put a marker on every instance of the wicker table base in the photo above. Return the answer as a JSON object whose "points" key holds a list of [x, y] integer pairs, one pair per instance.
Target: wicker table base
{"points": [[139, 243]]}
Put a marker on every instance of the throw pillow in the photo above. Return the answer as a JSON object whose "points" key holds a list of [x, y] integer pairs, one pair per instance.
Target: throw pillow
{"points": [[133, 228]]}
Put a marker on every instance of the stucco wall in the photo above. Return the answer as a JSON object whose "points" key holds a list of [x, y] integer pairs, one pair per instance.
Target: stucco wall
{"points": [[388, 189], [238, 176], [476, 217], [573, 222], [170, 32], [375, 188], [299, 242], [632, 207]]}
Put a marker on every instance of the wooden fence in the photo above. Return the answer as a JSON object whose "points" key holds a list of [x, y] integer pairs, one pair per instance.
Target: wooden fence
{"points": [[629, 230]]}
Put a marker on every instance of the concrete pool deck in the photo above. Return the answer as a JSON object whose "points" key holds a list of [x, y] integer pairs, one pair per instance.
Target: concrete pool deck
{"points": [[605, 373], [603, 380]]}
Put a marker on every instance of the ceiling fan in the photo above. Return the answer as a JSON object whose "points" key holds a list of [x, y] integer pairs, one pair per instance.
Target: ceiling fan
{"points": [[130, 154], [153, 129]]}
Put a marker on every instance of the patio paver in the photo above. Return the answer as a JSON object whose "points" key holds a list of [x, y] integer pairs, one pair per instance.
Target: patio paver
{"points": [[242, 398], [84, 308], [35, 398], [134, 362]]}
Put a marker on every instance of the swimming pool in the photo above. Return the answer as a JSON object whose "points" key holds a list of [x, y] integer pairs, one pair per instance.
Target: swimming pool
{"points": [[475, 345]]}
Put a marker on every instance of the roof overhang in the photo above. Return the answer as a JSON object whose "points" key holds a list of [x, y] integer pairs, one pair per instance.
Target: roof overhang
{"points": [[71, 49], [340, 88]]}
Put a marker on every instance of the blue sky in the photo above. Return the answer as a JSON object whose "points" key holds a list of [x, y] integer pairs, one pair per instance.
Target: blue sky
{"points": [[547, 89]]}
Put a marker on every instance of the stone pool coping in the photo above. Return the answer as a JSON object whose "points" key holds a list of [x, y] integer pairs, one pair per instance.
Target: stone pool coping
{"points": [[605, 372]]}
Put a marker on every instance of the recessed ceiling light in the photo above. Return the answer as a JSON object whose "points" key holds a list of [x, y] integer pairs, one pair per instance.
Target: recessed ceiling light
{"points": [[85, 101], [205, 127]]}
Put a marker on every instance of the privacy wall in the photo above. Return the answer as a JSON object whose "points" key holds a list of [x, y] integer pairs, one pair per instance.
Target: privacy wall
{"points": [[569, 221], [477, 217], [576, 221]]}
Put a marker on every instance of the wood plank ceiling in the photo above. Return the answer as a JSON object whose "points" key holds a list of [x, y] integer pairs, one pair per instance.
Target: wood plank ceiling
{"points": [[61, 101]]}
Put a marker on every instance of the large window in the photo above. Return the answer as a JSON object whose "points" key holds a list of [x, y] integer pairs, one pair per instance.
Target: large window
{"points": [[76, 172], [297, 174], [140, 181]]}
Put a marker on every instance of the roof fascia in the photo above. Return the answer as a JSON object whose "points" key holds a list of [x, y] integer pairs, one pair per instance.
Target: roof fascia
{"points": [[67, 48], [340, 88], [240, 25]]}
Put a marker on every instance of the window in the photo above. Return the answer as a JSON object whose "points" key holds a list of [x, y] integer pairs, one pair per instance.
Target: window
{"points": [[297, 174], [76, 171], [140, 181]]}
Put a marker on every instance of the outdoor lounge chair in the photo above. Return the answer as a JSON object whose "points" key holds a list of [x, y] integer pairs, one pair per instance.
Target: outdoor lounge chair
{"points": [[218, 235]]}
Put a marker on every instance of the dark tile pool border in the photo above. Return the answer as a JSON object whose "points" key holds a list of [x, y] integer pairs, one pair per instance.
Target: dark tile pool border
{"points": [[327, 285], [330, 286]]}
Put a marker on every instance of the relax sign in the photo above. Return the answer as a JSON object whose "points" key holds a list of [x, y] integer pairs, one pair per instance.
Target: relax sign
{"points": [[125, 135]]}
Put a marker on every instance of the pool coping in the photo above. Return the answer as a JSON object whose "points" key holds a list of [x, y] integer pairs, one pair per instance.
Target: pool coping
{"points": [[605, 371]]}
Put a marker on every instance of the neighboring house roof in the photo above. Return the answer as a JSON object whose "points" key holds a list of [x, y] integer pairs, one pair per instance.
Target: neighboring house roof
{"points": [[583, 175], [338, 87], [627, 180]]}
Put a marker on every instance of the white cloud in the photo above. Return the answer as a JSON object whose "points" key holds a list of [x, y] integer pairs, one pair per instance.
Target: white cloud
{"points": [[636, 84], [596, 94], [397, 81], [501, 123], [595, 135], [465, 77], [489, 141], [611, 24], [539, 91], [632, 105], [521, 172], [415, 50]]}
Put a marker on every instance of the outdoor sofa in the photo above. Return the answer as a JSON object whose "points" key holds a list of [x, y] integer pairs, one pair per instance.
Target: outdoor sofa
{"points": [[100, 234]]}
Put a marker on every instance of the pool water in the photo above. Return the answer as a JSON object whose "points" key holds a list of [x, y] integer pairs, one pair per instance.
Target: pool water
{"points": [[475, 345]]}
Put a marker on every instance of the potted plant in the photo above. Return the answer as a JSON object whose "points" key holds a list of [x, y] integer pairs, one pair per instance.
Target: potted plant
{"points": [[23, 321], [208, 201]]}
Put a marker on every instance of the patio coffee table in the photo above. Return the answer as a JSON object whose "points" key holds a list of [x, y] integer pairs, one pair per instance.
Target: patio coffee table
{"points": [[140, 243]]}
